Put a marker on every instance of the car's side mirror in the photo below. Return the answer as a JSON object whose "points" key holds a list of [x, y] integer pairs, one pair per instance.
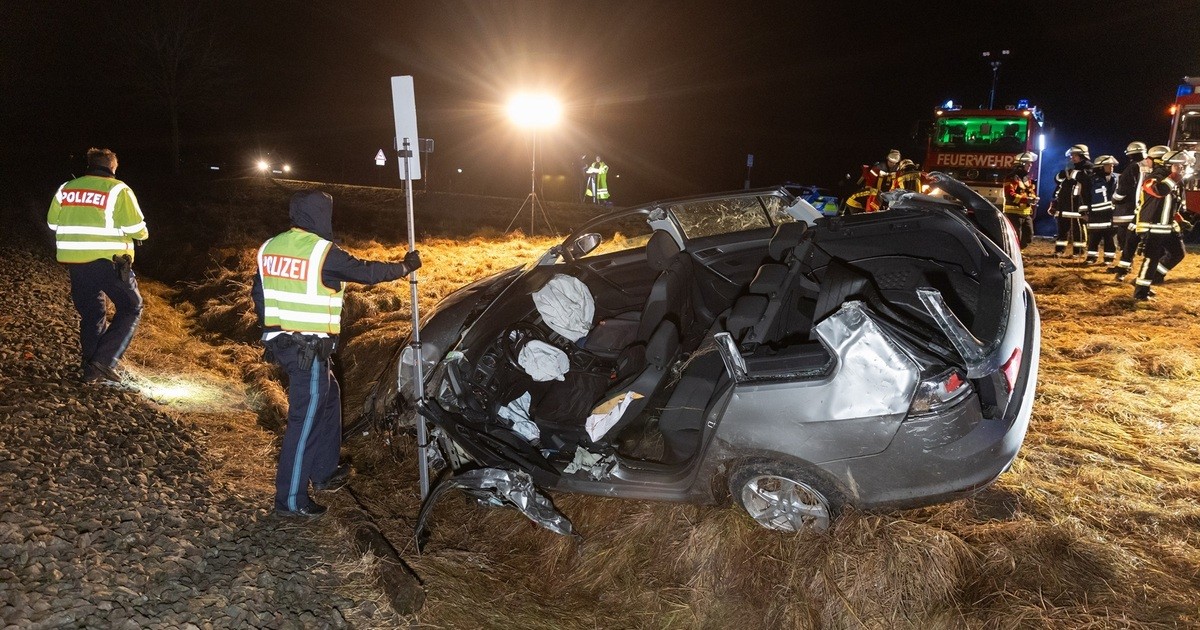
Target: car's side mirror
{"points": [[583, 245]]}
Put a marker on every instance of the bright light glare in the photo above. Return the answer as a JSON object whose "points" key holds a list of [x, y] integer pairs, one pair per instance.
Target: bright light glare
{"points": [[262, 165], [1042, 142], [287, 168], [534, 110]]}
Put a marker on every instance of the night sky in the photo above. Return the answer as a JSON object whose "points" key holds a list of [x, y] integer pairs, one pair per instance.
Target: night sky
{"points": [[672, 94]]}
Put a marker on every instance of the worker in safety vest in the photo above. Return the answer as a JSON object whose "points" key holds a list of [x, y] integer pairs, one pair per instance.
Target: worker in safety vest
{"points": [[298, 297], [597, 187], [1020, 197], [1135, 237], [1161, 212], [1100, 212], [96, 219]]}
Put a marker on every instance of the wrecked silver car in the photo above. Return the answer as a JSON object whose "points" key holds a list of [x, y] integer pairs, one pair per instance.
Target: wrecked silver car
{"points": [[739, 346]]}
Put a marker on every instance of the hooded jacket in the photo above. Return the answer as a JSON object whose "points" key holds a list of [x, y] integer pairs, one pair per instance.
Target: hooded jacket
{"points": [[312, 211]]}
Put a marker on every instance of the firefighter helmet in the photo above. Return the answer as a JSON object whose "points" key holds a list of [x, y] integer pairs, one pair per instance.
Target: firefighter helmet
{"points": [[1028, 157], [1078, 149], [906, 164], [1157, 151], [1104, 160], [1135, 147], [893, 155], [1180, 158]]}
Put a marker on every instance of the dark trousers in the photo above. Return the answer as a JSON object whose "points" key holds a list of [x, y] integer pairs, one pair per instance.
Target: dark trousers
{"points": [[1024, 226], [1097, 236], [99, 340], [1163, 252], [312, 440], [1123, 229], [1129, 249], [1070, 233]]}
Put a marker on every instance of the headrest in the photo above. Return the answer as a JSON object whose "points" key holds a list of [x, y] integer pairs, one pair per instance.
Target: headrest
{"points": [[661, 250], [787, 236], [769, 279]]}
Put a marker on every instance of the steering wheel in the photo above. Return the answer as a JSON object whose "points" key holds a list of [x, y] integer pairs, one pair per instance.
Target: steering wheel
{"points": [[515, 337]]}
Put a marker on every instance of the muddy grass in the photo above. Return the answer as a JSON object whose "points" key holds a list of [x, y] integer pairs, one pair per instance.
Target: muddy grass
{"points": [[1094, 526]]}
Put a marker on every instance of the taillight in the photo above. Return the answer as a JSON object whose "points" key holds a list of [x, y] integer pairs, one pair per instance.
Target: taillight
{"points": [[940, 391], [1010, 370]]}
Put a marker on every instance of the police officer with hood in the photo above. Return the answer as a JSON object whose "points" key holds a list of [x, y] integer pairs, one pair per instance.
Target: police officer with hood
{"points": [[297, 294]]}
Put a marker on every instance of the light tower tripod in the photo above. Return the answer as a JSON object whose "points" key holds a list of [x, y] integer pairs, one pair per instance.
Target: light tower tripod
{"points": [[535, 204]]}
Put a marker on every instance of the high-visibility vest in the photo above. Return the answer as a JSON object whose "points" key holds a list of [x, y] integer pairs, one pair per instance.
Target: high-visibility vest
{"points": [[294, 298], [600, 170], [95, 218]]}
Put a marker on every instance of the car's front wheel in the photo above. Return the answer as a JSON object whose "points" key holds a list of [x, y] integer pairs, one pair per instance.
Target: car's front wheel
{"points": [[785, 497]]}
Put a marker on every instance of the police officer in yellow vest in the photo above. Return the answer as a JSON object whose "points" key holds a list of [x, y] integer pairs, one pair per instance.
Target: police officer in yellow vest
{"points": [[597, 187], [96, 219], [298, 296]]}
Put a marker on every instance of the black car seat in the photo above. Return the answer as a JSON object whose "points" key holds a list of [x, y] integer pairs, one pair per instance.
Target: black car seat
{"points": [[775, 307], [670, 299]]}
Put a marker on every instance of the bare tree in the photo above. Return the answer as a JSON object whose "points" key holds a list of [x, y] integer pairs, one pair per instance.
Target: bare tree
{"points": [[176, 58]]}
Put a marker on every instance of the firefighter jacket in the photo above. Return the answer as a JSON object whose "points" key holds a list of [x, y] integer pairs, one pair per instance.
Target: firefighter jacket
{"points": [[1163, 198], [599, 170], [1066, 199], [1019, 193], [95, 217], [1082, 190], [302, 274], [1125, 196], [1100, 205], [879, 177], [908, 180]]}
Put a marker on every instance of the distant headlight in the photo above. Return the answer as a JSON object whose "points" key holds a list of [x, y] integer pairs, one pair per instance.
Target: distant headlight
{"points": [[287, 168], [263, 166]]}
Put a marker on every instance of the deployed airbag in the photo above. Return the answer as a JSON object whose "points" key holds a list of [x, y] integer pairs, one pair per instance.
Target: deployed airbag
{"points": [[566, 306], [543, 362]]}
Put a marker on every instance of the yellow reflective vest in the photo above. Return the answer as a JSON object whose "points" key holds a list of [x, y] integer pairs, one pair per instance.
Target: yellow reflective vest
{"points": [[95, 218], [294, 298]]}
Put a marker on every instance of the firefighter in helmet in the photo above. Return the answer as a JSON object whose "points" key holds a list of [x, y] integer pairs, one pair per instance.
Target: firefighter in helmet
{"points": [[1068, 202], [874, 180], [908, 176], [1135, 236], [1100, 212], [1163, 189], [1125, 195], [1020, 197]]}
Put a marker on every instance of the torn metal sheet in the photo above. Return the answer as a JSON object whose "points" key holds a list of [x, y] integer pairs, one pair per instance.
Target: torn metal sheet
{"points": [[517, 412], [597, 466], [874, 378], [566, 305], [508, 486]]}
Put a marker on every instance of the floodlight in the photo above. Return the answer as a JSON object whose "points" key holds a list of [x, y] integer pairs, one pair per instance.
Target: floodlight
{"points": [[534, 110]]}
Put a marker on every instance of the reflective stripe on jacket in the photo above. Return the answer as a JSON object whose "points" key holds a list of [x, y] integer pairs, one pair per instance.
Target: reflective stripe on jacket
{"points": [[294, 298], [95, 218]]}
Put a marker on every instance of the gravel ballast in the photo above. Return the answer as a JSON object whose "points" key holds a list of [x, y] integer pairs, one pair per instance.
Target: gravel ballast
{"points": [[109, 514]]}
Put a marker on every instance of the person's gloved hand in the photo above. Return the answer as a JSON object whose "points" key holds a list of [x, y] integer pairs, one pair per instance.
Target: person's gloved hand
{"points": [[412, 260]]}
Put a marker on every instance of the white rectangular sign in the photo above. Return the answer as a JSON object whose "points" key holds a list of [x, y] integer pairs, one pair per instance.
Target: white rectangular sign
{"points": [[404, 108]]}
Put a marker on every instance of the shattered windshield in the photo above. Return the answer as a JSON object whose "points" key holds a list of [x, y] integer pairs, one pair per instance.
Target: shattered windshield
{"points": [[723, 216]]}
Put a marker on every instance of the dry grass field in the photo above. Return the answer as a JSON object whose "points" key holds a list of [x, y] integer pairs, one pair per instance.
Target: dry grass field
{"points": [[1095, 526]]}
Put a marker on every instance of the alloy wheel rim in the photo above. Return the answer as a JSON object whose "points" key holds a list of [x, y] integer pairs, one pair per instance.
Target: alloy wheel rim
{"points": [[785, 504]]}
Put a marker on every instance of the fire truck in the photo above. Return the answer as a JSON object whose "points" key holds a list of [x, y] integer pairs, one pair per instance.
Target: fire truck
{"points": [[978, 146], [1185, 131]]}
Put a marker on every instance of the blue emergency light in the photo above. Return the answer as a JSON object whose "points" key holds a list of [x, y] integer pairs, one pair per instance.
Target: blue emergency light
{"points": [[1023, 104], [1185, 90]]}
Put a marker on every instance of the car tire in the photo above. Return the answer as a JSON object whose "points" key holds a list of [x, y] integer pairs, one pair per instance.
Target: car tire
{"points": [[784, 496]]}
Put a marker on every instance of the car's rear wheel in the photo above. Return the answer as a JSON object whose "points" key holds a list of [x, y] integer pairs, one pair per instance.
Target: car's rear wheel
{"points": [[785, 497]]}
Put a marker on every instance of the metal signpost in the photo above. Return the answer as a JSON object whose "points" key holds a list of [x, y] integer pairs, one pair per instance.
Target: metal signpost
{"points": [[405, 110]]}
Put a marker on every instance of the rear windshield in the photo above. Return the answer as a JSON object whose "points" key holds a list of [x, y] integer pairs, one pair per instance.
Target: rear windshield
{"points": [[724, 216], [981, 133]]}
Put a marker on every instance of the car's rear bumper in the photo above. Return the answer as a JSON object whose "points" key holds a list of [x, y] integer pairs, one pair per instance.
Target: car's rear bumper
{"points": [[922, 467]]}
